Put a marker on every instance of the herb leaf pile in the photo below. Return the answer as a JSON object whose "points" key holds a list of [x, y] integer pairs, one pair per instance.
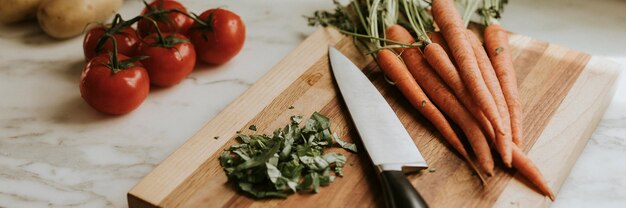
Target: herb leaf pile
{"points": [[291, 160]]}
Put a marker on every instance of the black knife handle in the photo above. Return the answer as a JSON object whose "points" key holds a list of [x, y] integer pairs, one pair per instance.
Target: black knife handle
{"points": [[398, 190]]}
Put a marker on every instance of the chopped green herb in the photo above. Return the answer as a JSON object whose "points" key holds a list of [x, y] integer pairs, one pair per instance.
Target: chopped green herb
{"points": [[216, 137], [252, 127], [432, 170], [423, 103], [291, 107], [344, 144], [290, 160], [296, 119]]}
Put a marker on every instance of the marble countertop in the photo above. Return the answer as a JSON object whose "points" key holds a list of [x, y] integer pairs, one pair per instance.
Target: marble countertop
{"points": [[56, 151]]}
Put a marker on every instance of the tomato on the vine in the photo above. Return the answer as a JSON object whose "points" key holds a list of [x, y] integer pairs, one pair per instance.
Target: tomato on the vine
{"points": [[170, 58], [170, 22], [114, 86], [218, 36], [127, 41]]}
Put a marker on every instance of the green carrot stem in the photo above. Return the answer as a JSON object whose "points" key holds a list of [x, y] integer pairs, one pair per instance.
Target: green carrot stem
{"points": [[373, 38], [374, 21], [470, 8], [392, 47], [357, 7]]}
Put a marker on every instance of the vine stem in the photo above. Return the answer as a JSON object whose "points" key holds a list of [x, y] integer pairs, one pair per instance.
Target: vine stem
{"points": [[162, 11], [156, 27], [194, 18], [114, 59], [110, 30]]}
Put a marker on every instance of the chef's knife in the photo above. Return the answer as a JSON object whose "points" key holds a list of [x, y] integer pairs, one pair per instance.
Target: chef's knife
{"points": [[386, 140]]}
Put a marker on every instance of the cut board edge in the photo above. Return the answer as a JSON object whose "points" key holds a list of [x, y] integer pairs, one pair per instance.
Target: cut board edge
{"points": [[582, 124]]}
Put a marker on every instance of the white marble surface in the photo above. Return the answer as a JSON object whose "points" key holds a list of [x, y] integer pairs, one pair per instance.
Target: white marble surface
{"points": [[55, 151]]}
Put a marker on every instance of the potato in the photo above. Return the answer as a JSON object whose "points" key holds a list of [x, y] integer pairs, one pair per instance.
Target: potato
{"points": [[12, 11], [68, 18]]}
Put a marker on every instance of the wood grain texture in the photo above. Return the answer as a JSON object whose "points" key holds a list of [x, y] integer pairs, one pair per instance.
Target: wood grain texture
{"points": [[562, 92]]}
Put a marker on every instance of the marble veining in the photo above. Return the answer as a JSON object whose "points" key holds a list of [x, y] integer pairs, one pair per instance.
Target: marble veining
{"points": [[55, 151]]}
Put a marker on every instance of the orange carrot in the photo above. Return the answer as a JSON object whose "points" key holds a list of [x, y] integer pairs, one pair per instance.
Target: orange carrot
{"points": [[395, 69], [499, 51], [449, 104], [442, 96], [460, 91], [526, 167], [436, 37], [503, 141], [447, 71], [449, 21]]}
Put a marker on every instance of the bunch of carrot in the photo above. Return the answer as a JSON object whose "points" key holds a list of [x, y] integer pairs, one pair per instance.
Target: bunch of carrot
{"points": [[447, 72]]}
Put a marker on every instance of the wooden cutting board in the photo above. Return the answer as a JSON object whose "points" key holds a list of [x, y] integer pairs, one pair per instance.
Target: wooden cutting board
{"points": [[564, 94]]}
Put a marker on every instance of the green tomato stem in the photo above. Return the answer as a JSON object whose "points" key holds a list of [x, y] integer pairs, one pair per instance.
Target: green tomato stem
{"points": [[114, 59], [161, 40], [194, 18], [117, 25]]}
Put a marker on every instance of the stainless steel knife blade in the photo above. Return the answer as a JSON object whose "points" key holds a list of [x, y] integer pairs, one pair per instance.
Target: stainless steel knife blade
{"points": [[388, 143], [386, 140]]}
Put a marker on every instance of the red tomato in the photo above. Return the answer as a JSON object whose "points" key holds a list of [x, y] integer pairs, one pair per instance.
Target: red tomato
{"points": [[220, 39], [167, 64], [110, 91], [127, 42], [173, 22]]}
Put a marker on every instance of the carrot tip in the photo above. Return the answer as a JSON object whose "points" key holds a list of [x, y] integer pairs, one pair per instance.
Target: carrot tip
{"points": [[489, 173], [508, 164], [551, 196], [500, 131]]}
